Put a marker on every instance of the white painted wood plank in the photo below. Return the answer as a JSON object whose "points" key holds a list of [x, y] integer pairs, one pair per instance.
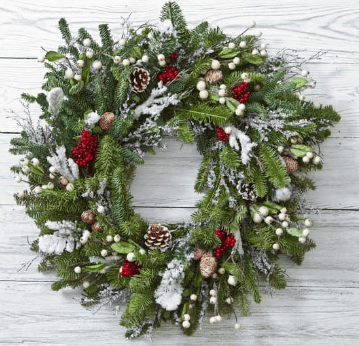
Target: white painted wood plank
{"points": [[328, 25], [33, 316]]}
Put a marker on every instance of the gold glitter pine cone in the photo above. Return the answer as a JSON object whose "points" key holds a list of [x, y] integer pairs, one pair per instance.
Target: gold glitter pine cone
{"points": [[157, 236], [207, 265], [88, 217], [106, 119], [290, 163]]}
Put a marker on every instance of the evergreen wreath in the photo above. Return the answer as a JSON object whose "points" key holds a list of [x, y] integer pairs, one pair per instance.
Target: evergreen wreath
{"points": [[106, 104]]}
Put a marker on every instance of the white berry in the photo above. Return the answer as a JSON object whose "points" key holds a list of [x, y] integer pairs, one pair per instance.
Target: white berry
{"points": [[223, 86], [285, 224], [221, 270], [201, 85], [213, 292], [218, 318], [222, 100], [253, 24], [268, 220], [122, 21], [281, 216], [100, 209], [263, 52], [21, 194], [122, 42], [263, 46], [280, 149], [221, 92], [132, 60], [186, 317], [83, 240], [145, 58], [237, 326], [255, 51], [80, 63], [24, 161], [212, 320], [125, 62], [308, 222], [236, 60], [310, 154], [257, 218], [50, 186], [302, 240], [304, 73], [241, 107], [77, 270], [41, 58], [215, 64], [276, 246], [162, 62], [160, 57], [18, 179], [69, 74], [193, 297], [38, 189], [86, 234], [109, 238], [63, 180], [317, 160], [89, 53], [117, 59], [306, 232], [263, 211], [77, 77], [213, 300], [86, 284], [142, 251], [243, 44], [25, 169], [305, 159], [203, 94], [52, 170], [302, 97], [228, 130], [104, 253], [69, 187], [283, 210], [232, 66], [229, 300], [116, 238], [231, 45], [86, 42], [279, 232], [232, 280], [97, 64], [130, 257]]}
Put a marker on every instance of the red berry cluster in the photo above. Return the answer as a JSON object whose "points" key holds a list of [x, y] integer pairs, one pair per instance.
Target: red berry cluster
{"points": [[227, 241], [169, 75], [129, 268], [221, 135], [173, 56], [85, 150], [241, 92]]}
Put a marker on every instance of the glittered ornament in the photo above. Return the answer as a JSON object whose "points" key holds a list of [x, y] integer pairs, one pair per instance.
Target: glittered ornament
{"points": [[290, 163], [213, 76], [157, 236], [139, 80], [207, 265], [96, 227], [106, 119], [88, 217]]}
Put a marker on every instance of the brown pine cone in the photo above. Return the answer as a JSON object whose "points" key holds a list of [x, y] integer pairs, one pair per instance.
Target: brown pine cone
{"points": [[213, 76], [157, 236], [208, 265], [290, 163], [88, 217], [139, 79], [106, 119], [198, 254], [96, 227]]}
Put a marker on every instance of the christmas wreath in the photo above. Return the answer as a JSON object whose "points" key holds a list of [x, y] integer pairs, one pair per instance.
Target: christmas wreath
{"points": [[106, 104]]}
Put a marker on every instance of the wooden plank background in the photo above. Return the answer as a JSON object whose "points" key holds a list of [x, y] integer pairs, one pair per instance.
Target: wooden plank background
{"points": [[320, 305]]}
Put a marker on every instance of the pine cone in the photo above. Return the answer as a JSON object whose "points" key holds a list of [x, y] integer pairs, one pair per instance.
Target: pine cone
{"points": [[88, 217], [139, 79], [106, 119], [157, 236], [208, 265], [290, 163], [213, 76], [198, 254], [96, 227]]}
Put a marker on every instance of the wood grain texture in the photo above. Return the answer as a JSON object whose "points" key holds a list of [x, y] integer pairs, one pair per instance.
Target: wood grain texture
{"points": [[320, 305]]}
